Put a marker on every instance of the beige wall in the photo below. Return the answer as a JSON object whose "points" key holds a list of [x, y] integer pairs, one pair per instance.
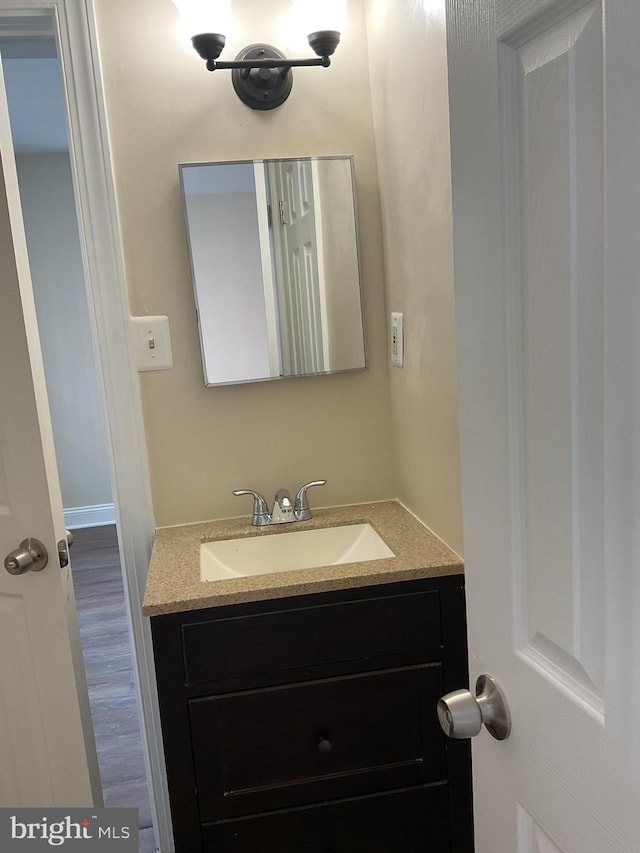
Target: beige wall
{"points": [[164, 108], [407, 48]]}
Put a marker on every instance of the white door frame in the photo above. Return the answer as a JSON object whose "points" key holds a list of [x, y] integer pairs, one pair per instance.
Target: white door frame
{"points": [[268, 273], [109, 316]]}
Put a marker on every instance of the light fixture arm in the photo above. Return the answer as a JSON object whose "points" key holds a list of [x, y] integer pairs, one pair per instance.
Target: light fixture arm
{"points": [[215, 64]]}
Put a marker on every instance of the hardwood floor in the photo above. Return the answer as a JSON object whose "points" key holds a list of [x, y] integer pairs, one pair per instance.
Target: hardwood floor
{"points": [[107, 654]]}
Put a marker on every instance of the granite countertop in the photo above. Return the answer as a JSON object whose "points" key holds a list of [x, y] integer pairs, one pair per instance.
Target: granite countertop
{"points": [[173, 582]]}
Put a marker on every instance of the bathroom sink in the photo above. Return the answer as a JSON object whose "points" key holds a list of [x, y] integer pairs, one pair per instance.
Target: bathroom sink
{"points": [[284, 552]]}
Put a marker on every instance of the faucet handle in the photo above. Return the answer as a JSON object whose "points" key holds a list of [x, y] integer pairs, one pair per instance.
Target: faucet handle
{"points": [[301, 504], [260, 515]]}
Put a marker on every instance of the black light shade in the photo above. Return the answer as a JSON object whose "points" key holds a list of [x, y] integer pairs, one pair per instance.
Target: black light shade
{"points": [[208, 45], [324, 42]]}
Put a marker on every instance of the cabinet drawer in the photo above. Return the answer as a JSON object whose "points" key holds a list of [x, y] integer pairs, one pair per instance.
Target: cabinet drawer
{"points": [[398, 822], [252, 645], [266, 749]]}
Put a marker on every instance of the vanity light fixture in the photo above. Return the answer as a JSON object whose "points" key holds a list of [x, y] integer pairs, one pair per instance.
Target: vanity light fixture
{"points": [[261, 75]]}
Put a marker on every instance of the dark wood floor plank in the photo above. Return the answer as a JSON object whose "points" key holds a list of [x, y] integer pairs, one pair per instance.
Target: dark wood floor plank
{"points": [[106, 648]]}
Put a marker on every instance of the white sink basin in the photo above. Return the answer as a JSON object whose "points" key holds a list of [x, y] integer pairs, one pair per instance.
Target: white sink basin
{"points": [[284, 552]]}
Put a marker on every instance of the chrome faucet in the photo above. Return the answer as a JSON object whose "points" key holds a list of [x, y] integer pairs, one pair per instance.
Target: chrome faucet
{"points": [[284, 511]]}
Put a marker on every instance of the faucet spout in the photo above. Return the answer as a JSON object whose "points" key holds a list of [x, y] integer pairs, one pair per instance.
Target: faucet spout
{"points": [[282, 511]]}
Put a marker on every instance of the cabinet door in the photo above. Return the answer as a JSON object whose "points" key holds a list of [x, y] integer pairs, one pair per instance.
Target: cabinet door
{"points": [[411, 821], [264, 749]]}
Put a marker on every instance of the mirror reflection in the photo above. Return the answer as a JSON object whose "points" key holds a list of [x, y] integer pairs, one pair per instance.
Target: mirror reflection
{"points": [[274, 258]]}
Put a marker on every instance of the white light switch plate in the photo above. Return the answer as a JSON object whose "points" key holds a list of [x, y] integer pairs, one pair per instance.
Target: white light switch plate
{"points": [[152, 343], [397, 339]]}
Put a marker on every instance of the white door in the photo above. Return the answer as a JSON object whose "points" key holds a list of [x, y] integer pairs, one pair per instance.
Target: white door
{"points": [[296, 253], [47, 752], [545, 124]]}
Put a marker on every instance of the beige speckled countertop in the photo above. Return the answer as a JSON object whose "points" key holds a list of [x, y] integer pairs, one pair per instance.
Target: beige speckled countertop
{"points": [[174, 584]]}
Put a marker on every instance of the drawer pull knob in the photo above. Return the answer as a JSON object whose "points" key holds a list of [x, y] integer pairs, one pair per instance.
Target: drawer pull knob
{"points": [[324, 745]]}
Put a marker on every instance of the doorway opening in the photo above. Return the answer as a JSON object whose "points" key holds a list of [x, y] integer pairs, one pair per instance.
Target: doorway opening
{"points": [[106, 647], [35, 92]]}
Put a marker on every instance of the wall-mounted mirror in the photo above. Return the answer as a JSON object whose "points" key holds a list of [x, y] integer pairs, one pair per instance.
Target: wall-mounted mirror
{"points": [[274, 257]]}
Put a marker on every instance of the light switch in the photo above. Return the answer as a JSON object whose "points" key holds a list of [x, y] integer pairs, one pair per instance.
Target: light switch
{"points": [[152, 343]]}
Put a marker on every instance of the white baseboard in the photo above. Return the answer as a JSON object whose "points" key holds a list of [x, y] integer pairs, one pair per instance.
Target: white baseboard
{"points": [[89, 516]]}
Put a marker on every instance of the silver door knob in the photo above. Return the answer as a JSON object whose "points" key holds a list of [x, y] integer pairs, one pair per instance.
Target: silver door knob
{"points": [[462, 715], [30, 556]]}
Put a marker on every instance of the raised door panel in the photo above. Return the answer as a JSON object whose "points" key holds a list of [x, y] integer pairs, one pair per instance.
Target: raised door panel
{"points": [[301, 320], [531, 838], [552, 110]]}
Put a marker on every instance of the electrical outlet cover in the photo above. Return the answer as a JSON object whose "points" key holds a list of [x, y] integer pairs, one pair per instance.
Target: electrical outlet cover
{"points": [[397, 339]]}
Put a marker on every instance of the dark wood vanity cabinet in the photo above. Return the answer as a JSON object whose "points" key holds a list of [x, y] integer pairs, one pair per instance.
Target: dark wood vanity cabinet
{"points": [[309, 725]]}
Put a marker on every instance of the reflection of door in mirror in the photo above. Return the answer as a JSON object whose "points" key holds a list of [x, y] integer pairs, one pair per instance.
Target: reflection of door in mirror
{"points": [[295, 250], [264, 213]]}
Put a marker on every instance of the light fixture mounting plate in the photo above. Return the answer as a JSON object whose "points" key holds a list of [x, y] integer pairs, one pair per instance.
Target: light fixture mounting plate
{"points": [[262, 88]]}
